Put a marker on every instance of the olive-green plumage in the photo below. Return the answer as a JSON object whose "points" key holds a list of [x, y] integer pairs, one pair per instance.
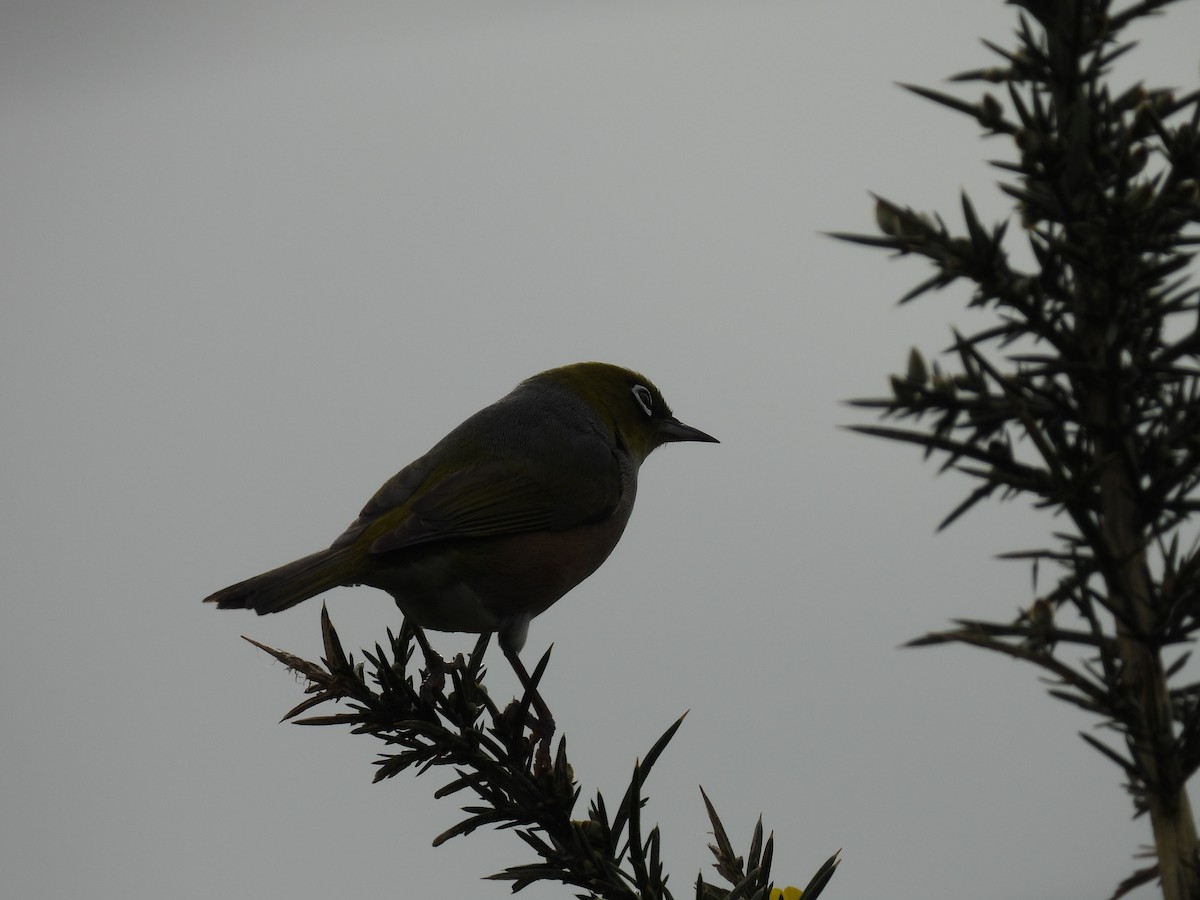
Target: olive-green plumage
{"points": [[507, 513]]}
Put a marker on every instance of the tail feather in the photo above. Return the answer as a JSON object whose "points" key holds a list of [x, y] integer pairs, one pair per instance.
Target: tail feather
{"points": [[288, 585]]}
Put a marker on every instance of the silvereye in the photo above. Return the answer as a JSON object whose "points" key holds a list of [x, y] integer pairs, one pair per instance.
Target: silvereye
{"points": [[507, 513]]}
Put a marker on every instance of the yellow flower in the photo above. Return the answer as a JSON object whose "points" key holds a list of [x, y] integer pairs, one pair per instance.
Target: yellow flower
{"points": [[787, 893]]}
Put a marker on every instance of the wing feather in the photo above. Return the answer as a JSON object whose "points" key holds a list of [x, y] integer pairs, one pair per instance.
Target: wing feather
{"points": [[580, 483]]}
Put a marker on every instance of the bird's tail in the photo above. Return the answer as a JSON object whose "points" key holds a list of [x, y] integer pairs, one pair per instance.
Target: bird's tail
{"points": [[290, 584]]}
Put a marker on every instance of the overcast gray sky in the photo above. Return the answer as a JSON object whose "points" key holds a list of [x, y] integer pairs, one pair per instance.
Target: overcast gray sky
{"points": [[255, 256]]}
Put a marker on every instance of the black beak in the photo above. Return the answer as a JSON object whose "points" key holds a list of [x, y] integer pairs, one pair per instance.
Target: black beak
{"points": [[673, 430]]}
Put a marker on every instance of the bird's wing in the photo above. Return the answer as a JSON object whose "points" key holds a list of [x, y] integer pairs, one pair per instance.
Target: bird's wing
{"points": [[581, 484]]}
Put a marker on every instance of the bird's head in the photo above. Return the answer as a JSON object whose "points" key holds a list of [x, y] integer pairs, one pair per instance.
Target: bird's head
{"points": [[629, 404]]}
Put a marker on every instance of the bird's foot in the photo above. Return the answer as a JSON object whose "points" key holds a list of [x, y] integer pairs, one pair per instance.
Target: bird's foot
{"points": [[541, 732]]}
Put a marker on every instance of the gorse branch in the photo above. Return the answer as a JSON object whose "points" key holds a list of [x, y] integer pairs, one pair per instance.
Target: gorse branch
{"points": [[442, 716], [1083, 394]]}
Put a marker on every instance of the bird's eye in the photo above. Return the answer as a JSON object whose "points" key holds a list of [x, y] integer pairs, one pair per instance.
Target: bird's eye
{"points": [[645, 399]]}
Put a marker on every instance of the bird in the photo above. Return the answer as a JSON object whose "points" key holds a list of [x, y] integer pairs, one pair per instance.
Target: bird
{"points": [[503, 516]]}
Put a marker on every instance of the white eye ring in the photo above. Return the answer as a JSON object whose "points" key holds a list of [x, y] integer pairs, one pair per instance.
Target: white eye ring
{"points": [[645, 399]]}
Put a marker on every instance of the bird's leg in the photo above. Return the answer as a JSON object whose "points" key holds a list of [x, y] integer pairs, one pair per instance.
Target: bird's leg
{"points": [[512, 633], [542, 730], [546, 718], [435, 667]]}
